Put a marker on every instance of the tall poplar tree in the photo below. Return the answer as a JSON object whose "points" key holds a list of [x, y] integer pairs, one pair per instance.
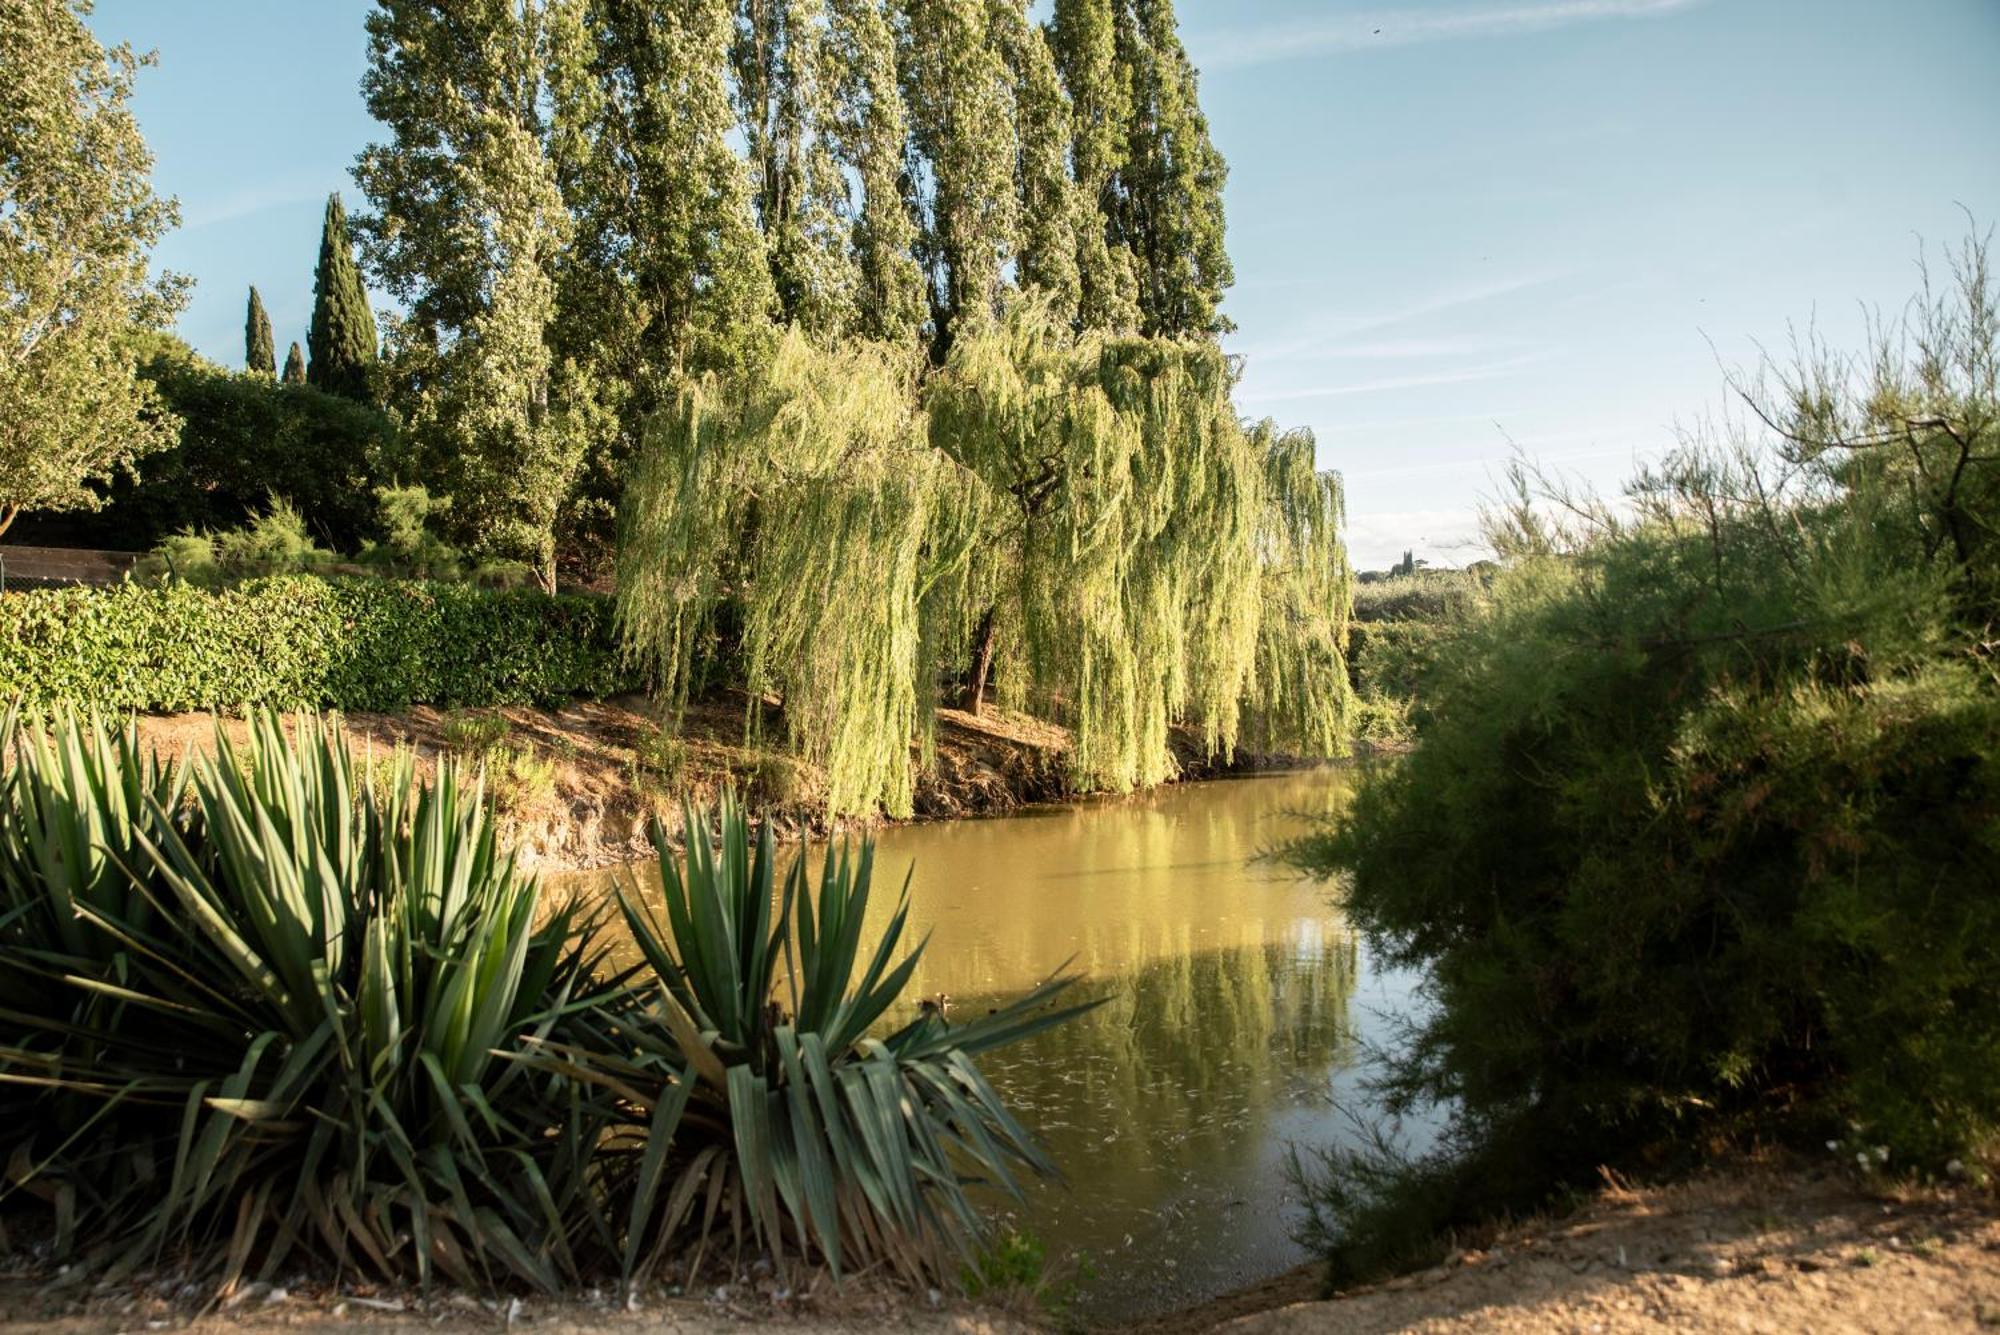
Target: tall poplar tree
{"points": [[1168, 208], [671, 276], [785, 91], [78, 218], [1083, 35], [872, 131], [1046, 245], [963, 142], [469, 229], [259, 353], [341, 338]]}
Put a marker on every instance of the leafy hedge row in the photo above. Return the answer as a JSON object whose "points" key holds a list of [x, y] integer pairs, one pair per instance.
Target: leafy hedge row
{"points": [[303, 640]]}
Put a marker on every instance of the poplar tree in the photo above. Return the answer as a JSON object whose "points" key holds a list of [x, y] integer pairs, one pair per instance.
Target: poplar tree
{"points": [[1168, 208], [469, 229], [259, 354], [1047, 200], [871, 129], [78, 218], [963, 139], [341, 338], [295, 366], [670, 276], [1083, 39], [785, 92]]}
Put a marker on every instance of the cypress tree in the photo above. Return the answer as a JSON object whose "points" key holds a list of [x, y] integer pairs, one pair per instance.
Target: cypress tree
{"points": [[259, 354], [295, 366], [341, 338]]}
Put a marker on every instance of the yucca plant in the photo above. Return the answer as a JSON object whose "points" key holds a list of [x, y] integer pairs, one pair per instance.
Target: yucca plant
{"points": [[290, 1027], [749, 1085]]}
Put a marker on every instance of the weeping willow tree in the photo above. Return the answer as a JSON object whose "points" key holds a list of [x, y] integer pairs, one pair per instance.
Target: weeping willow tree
{"points": [[1134, 535], [1084, 510], [1301, 696], [806, 496]]}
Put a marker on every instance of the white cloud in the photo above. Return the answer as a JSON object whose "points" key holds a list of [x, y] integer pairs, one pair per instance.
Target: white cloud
{"points": [[1442, 537], [1370, 31]]}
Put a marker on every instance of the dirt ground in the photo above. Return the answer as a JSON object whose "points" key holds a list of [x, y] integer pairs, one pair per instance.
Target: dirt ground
{"points": [[599, 769], [1751, 1249]]}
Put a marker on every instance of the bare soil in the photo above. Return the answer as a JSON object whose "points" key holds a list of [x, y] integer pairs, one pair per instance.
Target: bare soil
{"points": [[608, 766], [1752, 1249]]}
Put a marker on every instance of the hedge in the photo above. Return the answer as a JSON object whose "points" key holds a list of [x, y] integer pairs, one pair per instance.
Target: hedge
{"points": [[295, 641]]}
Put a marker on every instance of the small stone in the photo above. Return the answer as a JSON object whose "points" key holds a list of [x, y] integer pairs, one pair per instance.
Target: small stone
{"points": [[1721, 1268]]}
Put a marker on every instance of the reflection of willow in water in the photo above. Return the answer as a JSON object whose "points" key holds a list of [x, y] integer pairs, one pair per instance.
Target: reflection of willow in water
{"points": [[1181, 1068]]}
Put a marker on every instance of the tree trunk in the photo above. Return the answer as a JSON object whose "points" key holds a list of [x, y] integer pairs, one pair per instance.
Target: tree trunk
{"points": [[7, 513], [982, 663]]}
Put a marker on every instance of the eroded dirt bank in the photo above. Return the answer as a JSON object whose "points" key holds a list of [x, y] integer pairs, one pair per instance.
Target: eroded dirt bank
{"points": [[577, 785]]}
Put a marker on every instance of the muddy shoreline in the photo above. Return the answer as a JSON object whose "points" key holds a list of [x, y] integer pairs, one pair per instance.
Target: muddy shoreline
{"points": [[602, 769]]}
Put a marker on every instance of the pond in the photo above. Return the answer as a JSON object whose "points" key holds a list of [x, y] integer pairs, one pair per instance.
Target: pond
{"points": [[1238, 1002]]}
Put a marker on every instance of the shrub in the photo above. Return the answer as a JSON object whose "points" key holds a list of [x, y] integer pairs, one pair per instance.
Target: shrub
{"points": [[286, 1010], [278, 1034], [1699, 832], [304, 641]]}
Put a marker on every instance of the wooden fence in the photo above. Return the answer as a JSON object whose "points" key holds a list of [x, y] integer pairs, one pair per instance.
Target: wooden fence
{"points": [[40, 567]]}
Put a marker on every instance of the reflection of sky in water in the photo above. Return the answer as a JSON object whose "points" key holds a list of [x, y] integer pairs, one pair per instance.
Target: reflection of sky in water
{"points": [[1238, 1003]]}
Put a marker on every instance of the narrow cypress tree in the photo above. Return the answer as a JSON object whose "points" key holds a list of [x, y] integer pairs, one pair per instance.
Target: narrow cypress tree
{"points": [[1083, 37], [295, 366], [258, 352], [342, 337]]}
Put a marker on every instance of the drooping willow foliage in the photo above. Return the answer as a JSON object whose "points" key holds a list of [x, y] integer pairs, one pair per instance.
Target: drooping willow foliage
{"points": [[808, 496], [1092, 502]]}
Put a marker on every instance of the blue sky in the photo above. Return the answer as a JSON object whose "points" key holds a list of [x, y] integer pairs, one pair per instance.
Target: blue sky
{"points": [[1456, 223]]}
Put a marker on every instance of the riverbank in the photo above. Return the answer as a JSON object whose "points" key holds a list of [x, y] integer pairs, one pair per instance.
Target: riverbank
{"points": [[577, 786]]}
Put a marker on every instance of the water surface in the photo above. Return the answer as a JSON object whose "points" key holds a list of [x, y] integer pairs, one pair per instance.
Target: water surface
{"points": [[1237, 999]]}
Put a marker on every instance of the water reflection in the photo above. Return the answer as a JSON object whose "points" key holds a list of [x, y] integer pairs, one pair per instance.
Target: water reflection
{"points": [[1231, 1011]]}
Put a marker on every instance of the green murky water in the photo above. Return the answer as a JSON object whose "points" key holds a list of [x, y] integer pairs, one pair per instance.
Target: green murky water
{"points": [[1237, 1003]]}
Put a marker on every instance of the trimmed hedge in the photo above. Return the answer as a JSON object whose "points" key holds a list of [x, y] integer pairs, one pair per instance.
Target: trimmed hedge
{"points": [[294, 641]]}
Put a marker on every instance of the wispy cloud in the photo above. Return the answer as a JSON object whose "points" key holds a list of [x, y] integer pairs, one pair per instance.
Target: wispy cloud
{"points": [[1457, 376], [1335, 335], [1354, 32]]}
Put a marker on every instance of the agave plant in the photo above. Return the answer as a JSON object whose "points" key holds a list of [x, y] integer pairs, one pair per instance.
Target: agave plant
{"points": [[747, 1085], [288, 1014]]}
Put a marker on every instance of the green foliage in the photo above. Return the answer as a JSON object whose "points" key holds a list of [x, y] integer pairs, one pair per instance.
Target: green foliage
{"points": [[259, 354], [78, 217], [275, 543], [301, 640], [279, 1035], [341, 338], [753, 1066], [295, 367], [242, 439], [410, 546], [810, 491], [283, 1009], [1699, 828]]}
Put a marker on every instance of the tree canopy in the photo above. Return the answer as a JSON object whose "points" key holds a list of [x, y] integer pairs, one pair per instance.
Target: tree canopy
{"points": [[78, 218]]}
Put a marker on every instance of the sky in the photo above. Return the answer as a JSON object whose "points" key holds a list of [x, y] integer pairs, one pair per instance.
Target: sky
{"points": [[1461, 228]]}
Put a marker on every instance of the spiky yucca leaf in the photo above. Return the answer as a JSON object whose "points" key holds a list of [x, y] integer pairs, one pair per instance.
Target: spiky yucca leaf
{"points": [[299, 1053], [750, 1091]]}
